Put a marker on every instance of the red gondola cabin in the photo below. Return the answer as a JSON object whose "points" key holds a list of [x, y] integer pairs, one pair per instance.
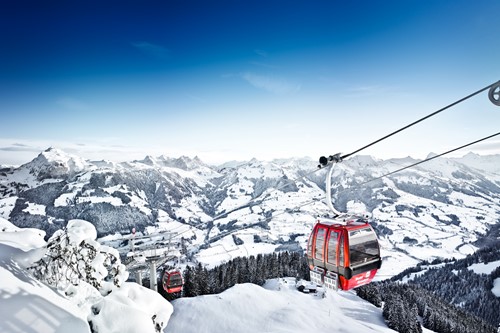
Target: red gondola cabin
{"points": [[343, 254], [172, 281]]}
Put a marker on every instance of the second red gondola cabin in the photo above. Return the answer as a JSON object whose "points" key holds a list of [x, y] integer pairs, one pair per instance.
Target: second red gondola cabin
{"points": [[172, 281]]}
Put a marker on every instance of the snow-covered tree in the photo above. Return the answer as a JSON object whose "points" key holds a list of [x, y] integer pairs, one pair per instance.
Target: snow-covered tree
{"points": [[73, 255]]}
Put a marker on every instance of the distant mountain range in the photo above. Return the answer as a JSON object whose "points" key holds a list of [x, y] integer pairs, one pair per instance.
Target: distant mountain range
{"points": [[446, 207]]}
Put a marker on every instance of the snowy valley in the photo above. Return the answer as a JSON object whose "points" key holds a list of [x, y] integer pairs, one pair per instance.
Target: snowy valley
{"points": [[197, 213]]}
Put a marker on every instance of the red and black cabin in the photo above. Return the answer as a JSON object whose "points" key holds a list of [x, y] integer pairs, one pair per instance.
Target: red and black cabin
{"points": [[172, 281], [347, 250]]}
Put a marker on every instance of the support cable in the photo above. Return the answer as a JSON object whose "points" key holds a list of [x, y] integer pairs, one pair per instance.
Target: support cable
{"points": [[391, 173], [338, 157], [421, 119], [376, 178], [430, 158]]}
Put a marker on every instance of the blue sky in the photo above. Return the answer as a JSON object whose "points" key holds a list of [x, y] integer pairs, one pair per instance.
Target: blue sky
{"points": [[237, 79]]}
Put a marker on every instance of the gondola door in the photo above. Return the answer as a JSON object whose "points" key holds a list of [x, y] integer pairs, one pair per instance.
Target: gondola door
{"points": [[332, 260], [316, 246], [316, 253]]}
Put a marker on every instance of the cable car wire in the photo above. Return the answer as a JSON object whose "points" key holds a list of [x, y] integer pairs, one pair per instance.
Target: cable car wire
{"points": [[339, 158], [421, 119], [417, 163], [363, 183], [430, 158], [386, 175]]}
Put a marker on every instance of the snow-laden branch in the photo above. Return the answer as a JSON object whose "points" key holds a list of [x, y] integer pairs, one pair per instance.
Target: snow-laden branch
{"points": [[73, 255]]}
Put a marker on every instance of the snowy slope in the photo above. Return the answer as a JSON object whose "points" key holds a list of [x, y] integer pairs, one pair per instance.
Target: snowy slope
{"points": [[276, 307], [29, 306], [26, 304]]}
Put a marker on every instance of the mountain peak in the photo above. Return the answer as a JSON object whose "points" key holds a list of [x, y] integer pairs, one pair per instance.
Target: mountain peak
{"points": [[431, 155], [53, 152], [55, 163], [197, 160], [148, 160], [471, 154], [182, 162], [363, 160]]}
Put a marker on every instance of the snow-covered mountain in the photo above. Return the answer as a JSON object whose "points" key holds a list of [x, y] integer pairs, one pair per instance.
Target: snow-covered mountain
{"points": [[438, 209], [445, 208]]}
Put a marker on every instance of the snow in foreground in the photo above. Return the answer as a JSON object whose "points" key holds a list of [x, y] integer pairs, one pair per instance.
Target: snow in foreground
{"points": [[276, 307], [27, 305]]}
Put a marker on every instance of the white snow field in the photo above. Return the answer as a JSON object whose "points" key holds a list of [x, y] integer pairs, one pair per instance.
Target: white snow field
{"points": [[276, 307], [482, 268]]}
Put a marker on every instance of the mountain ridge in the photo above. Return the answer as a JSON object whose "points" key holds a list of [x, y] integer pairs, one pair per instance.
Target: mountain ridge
{"points": [[437, 209]]}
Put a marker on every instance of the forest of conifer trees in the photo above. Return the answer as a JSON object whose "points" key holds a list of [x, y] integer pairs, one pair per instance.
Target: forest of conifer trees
{"points": [[448, 298], [199, 280], [406, 307]]}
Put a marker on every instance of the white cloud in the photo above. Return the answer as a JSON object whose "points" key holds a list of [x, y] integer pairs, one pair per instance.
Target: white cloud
{"points": [[487, 147], [368, 90], [376, 90], [71, 104], [19, 148], [261, 53], [195, 98], [272, 84], [153, 50]]}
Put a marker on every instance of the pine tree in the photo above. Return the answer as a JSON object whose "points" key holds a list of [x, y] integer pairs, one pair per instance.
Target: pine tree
{"points": [[202, 281], [370, 293], [273, 266], [252, 269], [414, 322], [221, 277], [260, 276], [212, 281], [244, 271], [188, 288]]}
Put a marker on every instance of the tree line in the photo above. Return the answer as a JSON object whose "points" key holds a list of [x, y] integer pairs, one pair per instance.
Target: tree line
{"points": [[198, 280], [407, 307], [447, 298], [455, 283]]}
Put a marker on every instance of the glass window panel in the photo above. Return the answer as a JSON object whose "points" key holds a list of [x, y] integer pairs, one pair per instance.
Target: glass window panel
{"points": [[341, 251], [363, 246], [310, 245], [320, 242], [332, 247]]}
